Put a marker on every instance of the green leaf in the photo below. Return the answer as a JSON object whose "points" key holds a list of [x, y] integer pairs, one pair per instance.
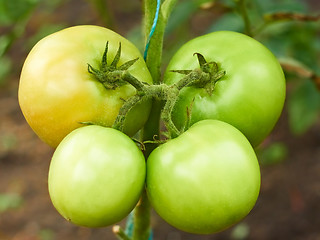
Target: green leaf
{"points": [[292, 39], [13, 11], [229, 3], [229, 21], [282, 5], [303, 107], [182, 13], [5, 41], [5, 67]]}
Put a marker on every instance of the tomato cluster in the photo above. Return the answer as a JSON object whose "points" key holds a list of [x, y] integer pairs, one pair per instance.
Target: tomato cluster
{"points": [[202, 181]]}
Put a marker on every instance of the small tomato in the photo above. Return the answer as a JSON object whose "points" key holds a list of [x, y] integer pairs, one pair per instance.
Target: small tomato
{"points": [[96, 176]]}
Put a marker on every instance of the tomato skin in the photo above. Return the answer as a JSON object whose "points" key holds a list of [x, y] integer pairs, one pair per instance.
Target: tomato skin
{"points": [[205, 180], [56, 91], [251, 94], [96, 176]]}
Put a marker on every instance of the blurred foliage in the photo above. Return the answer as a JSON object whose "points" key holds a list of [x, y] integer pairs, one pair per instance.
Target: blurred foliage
{"points": [[240, 232], [14, 16], [289, 28], [303, 107], [46, 234], [7, 142], [9, 201], [275, 153]]}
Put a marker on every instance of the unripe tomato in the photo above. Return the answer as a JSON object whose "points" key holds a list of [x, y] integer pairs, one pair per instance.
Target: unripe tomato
{"points": [[250, 96], [96, 176], [205, 180], [57, 93]]}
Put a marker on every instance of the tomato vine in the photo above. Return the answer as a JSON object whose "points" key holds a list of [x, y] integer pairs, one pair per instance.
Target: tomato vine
{"points": [[153, 60], [210, 80], [113, 77]]}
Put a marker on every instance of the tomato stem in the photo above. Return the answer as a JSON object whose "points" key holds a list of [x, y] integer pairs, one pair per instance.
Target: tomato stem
{"points": [[171, 98], [126, 107], [113, 76], [142, 211], [204, 77], [121, 235], [241, 5], [153, 58]]}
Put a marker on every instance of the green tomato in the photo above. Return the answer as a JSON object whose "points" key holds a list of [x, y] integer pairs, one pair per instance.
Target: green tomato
{"points": [[57, 93], [96, 176], [251, 94], [205, 180]]}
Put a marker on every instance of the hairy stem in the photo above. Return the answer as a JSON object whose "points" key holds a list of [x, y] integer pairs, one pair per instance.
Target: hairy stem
{"points": [[134, 82], [166, 113], [142, 219], [244, 13], [126, 107], [118, 231]]}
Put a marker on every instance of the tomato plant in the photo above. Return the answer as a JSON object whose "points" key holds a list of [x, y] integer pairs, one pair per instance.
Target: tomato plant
{"points": [[205, 180], [96, 176], [220, 96], [250, 95], [57, 92]]}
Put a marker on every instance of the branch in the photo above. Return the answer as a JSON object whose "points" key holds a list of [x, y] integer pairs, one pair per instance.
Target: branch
{"points": [[301, 70], [242, 8], [118, 231], [285, 16]]}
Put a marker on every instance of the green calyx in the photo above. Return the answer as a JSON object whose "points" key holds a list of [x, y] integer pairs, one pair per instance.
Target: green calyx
{"points": [[205, 77], [112, 77]]}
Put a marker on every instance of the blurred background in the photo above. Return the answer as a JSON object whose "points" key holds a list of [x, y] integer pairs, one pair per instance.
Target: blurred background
{"points": [[289, 204]]}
